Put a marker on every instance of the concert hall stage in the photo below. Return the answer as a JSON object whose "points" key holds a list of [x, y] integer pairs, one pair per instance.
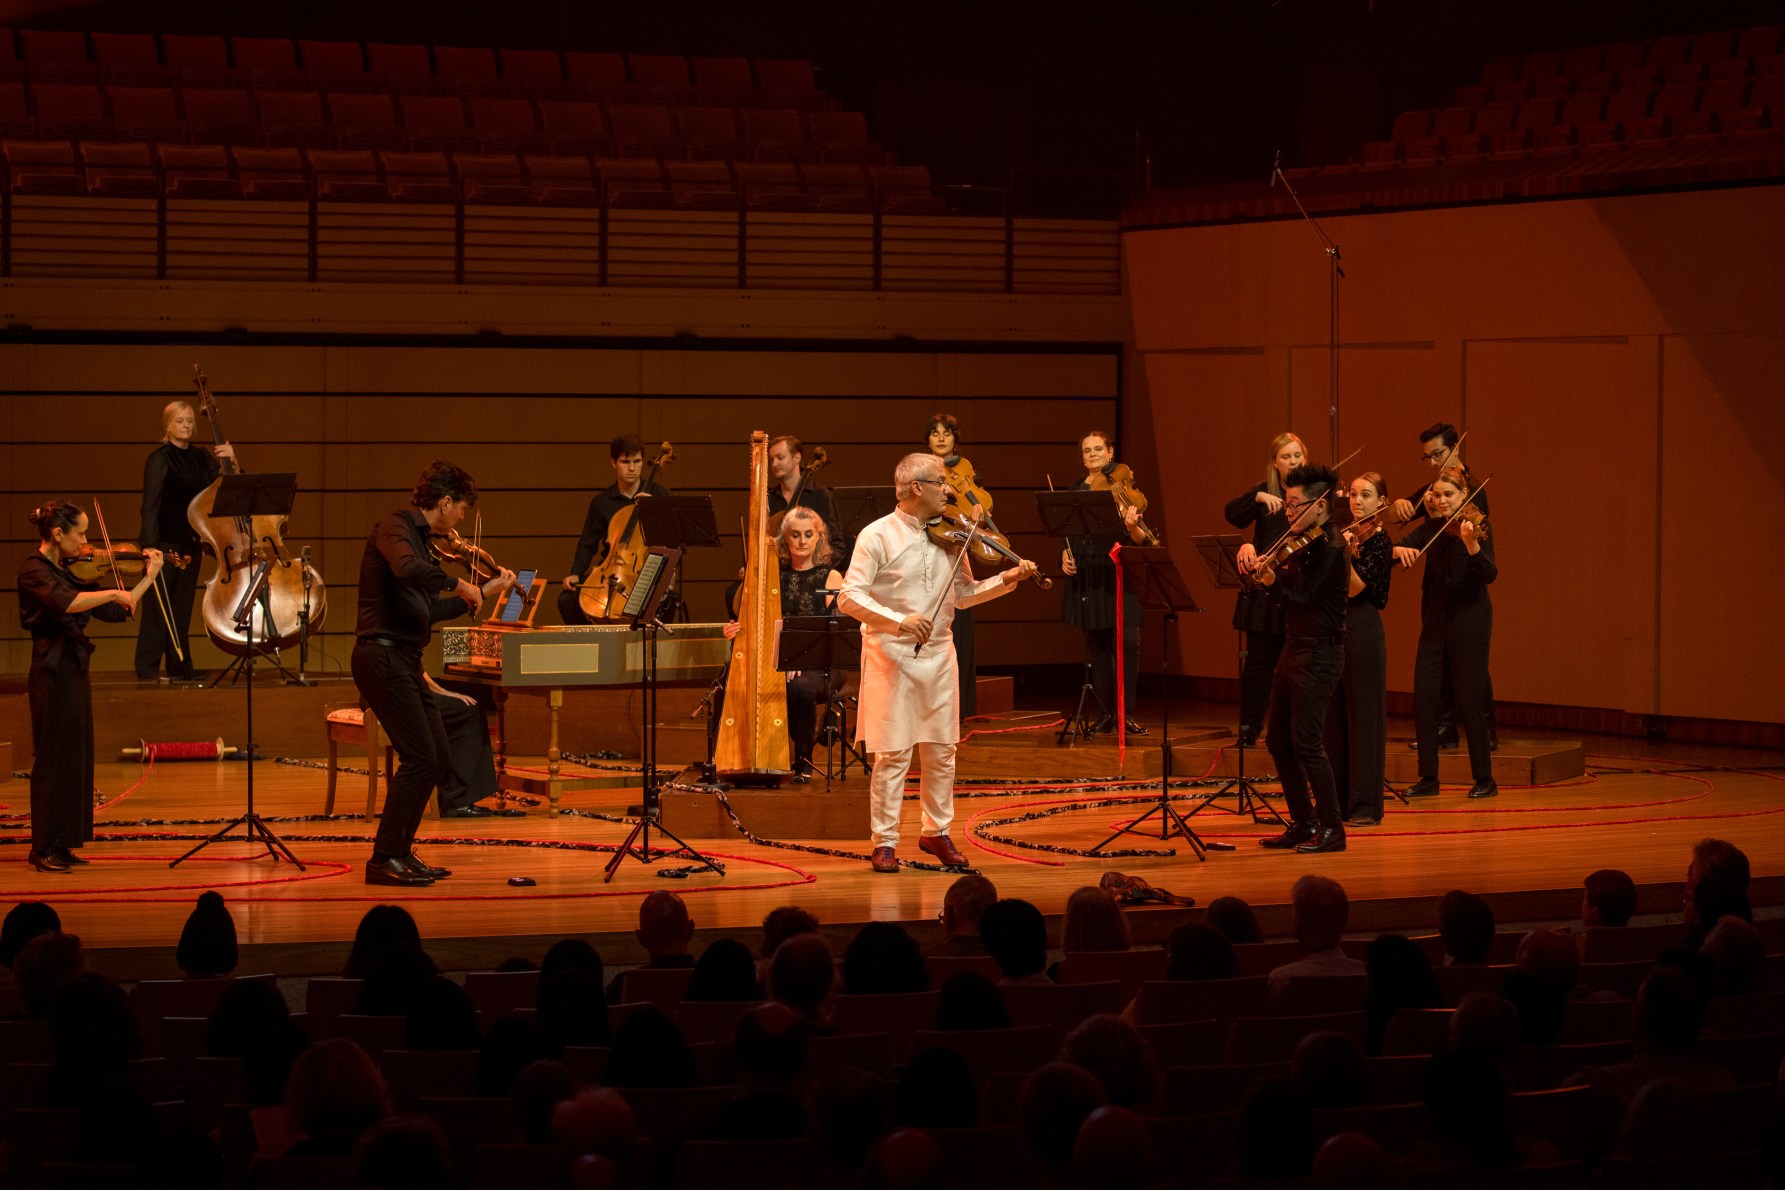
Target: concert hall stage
{"points": [[1025, 807]]}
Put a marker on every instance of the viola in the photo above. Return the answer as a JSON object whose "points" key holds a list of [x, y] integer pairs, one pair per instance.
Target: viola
{"points": [[1118, 481], [603, 590], [953, 528], [242, 545], [125, 559], [819, 459], [1265, 572], [968, 501]]}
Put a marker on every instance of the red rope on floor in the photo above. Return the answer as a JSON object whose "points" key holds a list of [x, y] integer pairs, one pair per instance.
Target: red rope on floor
{"points": [[1057, 721]]}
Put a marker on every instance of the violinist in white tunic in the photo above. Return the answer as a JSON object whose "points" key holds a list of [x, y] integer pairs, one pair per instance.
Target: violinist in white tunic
{"points": [[904, 588]]}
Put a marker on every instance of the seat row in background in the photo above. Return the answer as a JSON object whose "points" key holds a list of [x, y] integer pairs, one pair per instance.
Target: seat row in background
{"points": [[1627, 66], [142, 59], [179, 171]]}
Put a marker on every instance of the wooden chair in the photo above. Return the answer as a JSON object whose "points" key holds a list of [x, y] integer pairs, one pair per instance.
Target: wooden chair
{"points": [[1253, 1039], [357, 726], [411, 1074], [1060, 1005], [1628, 944], [514, 1165], [871, 1052], [1307, 994], [1586, 1022], [898, 1015], [1130, 968], [985, 1156], [1622, 979], [470, 1122], [1418, 1031], [662, 986], [1577, 1122], [941, 966], [1398, 1127], [1397, 1078], [374, 1034], [1204, 1090], [1166, 1001], [1456, 982], [666, 1113], [1261, 958], [992, 1051], [498, 993], [704, 1020], [1543, 1067], [1742, 1016], [326, 1000], [1186, 1043]]}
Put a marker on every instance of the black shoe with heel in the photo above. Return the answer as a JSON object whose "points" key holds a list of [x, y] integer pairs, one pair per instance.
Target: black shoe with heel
{"points": [[1327, 838]]}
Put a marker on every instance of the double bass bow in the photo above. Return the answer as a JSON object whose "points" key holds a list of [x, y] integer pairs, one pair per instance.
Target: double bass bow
{"points": [[241, 545], [610, 580]]}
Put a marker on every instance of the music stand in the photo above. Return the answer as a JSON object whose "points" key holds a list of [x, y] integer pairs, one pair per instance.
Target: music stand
{"points": [[857, 508], [1220, 554], [824, 643], [1081, 514], [679, 522], [250, 496], [642, 605], [234, 499], [1148, 572]]}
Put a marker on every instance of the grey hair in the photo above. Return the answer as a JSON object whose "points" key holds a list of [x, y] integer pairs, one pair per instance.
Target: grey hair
{"points": [[914, 467]]}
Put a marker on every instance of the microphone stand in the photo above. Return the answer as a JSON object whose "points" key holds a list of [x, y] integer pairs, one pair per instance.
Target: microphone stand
{"points": [[1335, 273]]}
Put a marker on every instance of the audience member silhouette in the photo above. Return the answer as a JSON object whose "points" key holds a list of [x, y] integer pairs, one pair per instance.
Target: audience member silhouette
{"points": [[725, 972], [1234, 918], [535, 1096], [1119, 1058], [1015, 935], [334, 1095], [649, 1051], [1400, 977], [381, 929], [1200, 952], [883, 960], [803, 976], [963, 905], [1274, 1133], [208, 939], [935, 1090], [1054, 1104], [1466, 924], [971, 1001], [441, 1017], [252, 1022]]}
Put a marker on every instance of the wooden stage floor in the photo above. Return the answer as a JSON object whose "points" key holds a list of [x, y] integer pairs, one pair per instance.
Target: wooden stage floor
{"points": [[1639, 807]]}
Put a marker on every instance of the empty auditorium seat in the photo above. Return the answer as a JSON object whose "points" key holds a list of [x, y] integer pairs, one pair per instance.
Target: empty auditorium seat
{"points": [[1203, 1091], [498, 993], [436, 122], [1502, 69], [788, 82], [402, 69], [365, 121], [294, 119], [278, 173], [220, 116], [642, 129], [468, 70], [1165, 1001], [70, 110], [196, 171], [778, 134], [40, 167], [596, 76], [1273, 1038], [905, 190], [992, 1051], [899, 1015], [1412, 125], [129, 59], [56, 56], [565, 181], [1769, 95], [349, 175], [1130, 968], [1667, 52], [1578, 113], [1723, 102], [710, 133], [661, 76], [507, 125], [575, 126], [633, 182], [771, 186], [533, 74], [1758, 43], [1625, 55], [423, 176], [12, 70], [843, 136], [267, 63], [145, 113], [841, 188], [705, 1020], [197, 60], [726, 80], [1583, 60], [15, 113], [122, 171], [1678, 106], [413, 1074], [335, 65], [1540, 66]]}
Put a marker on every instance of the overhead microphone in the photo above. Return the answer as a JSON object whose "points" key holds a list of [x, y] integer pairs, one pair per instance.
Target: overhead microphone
{"points": [[1276, 166]]}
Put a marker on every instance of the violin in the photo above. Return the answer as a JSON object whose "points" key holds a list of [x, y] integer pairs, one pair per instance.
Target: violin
{"points": [[819, 459], [449, 547], [952, 529], [125, 559], [603, 590], [1118, 481], [1265, 572], [1365, 527], [1474, 516], [967, 500]]}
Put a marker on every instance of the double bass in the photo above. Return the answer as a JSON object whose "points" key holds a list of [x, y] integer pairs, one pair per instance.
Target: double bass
{"points": [[241, 546], [610, 580], [753, 748]]}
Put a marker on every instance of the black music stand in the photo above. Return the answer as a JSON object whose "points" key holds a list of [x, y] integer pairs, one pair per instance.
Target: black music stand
{"points": [[1081, 514], [1220, 554], [857, 508], [250, 496], [826, 643], [642, 606], [1149, 573], [679, 522]]}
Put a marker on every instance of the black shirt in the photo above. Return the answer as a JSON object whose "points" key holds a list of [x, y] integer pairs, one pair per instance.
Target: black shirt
{"points": [[818, 500], [171, 477], [591, 547], [398, 581], [45, 591], [1375, 565], [803, 592], [1245, 509], [1453, 577], [1314, 585]]}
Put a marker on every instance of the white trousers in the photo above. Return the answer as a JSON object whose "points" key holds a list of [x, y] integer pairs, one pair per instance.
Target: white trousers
{"points": [[888, 791]]}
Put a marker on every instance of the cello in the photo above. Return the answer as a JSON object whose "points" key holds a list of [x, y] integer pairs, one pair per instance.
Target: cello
{"points": [[241, 545], [609, 580], [752, 746], [819, 459]]}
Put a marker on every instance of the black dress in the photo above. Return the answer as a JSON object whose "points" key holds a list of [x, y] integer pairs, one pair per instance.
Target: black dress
{"points": [[1090, 605], [61, 702], [172, 476], [1259, 614], [1357, 719]]}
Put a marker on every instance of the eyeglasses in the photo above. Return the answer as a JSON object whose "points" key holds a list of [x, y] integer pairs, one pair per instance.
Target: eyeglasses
{"points": [[941, 483], [1432, 456]]}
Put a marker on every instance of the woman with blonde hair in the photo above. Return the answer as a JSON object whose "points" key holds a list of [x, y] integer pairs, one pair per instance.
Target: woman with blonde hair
{"points": [[1259, 614], [174, 473]]}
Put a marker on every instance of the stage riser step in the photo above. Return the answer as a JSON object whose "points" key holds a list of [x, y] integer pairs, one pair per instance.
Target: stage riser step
{"points": [[792, 812]]}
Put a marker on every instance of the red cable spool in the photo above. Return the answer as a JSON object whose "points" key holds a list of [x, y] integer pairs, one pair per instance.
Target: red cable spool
{"points": [[148, 753]]}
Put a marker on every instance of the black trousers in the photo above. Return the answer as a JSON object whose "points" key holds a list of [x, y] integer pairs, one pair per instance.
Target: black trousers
{"points": [[1455, 645], [1100, 651], [154, 647], [1447, 708], [964, 663], [569, 610], [62, 739], [1357, 718], [389, 679], [1262, 651], [471, 760], [1306, 680]]}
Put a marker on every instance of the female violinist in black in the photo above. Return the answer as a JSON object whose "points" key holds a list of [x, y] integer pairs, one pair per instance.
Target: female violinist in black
{"points": [[1090, 602], [1260, 613], [942, 437], [1357, 720], [175, 472], [54, 608], [1456, 627]]}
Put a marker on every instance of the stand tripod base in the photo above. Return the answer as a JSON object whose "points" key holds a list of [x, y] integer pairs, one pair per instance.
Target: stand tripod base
{"points": [[254, 830], [1171, 825], [236, 668], [638, 846]]}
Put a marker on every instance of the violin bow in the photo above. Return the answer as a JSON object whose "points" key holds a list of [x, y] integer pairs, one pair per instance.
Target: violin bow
{"points": [[954, 572], [118, 580], [1454, 513], [1290, 532], [105, 535]]}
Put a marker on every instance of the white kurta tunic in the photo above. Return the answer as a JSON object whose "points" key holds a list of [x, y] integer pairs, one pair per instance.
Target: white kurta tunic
{"points": [[908, 696]]}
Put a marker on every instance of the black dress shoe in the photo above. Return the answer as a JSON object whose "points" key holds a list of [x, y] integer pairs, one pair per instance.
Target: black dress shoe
{"points": [[1484, 789], [1295, 836], [1135, 728], [799, 778], [45, 861], [472, 811], [415, 861], [68, 857], [1424, 787], [396, 871], [1327, 838], [1362, 819], [1103, 725]]}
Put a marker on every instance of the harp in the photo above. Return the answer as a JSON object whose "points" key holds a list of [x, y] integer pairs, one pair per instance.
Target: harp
{"points": [[752, 747]]}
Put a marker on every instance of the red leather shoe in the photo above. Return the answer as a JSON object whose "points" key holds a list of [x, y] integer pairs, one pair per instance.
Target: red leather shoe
{"points": [[943, 849], [885, 860]]}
